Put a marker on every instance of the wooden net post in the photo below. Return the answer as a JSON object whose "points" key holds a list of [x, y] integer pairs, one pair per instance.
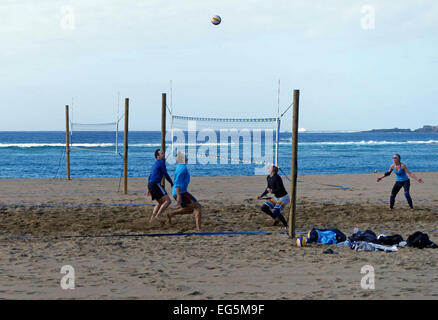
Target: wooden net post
{"points": [[294, 164], [67, 141], [125, 148], [163, 129]]}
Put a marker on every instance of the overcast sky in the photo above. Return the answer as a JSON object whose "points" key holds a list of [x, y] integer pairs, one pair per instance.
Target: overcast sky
{"points": [[359, 64]]}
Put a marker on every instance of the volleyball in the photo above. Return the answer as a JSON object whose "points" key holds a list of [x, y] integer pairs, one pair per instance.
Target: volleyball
{"points": [[301, 242], [216, 20]]}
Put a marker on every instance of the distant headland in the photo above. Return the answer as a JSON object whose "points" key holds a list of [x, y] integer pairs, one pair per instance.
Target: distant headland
{"points": [[427, 129]]}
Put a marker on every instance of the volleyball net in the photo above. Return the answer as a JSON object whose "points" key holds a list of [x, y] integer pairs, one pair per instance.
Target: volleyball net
{"points": [[96, 137], [217, 140], [100, 137]]}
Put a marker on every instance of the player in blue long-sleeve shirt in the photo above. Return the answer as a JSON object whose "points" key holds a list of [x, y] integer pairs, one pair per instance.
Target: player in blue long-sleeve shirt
{"points": [[187, 201], [155, 189]]}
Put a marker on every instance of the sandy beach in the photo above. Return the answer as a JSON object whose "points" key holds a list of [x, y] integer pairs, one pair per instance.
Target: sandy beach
{"points": [[48, 223]]}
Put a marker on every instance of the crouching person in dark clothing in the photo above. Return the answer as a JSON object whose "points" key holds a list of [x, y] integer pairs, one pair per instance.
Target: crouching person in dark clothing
{"points": [[273, 207]]}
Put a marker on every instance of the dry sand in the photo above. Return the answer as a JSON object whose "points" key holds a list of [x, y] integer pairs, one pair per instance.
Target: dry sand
{"points": [[35, 241]]}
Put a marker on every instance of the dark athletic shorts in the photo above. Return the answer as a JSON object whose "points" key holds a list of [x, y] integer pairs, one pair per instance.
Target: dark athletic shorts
{"points": [[186, 198], [156, 190]]}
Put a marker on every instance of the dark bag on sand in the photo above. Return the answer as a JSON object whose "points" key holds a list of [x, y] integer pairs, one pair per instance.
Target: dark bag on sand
{"points": [[390, 240], [420, 240], [367, 236]]}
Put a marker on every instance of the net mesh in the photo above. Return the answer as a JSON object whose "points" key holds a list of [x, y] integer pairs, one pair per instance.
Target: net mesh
{"points": [[97, 137], [224, 140]]}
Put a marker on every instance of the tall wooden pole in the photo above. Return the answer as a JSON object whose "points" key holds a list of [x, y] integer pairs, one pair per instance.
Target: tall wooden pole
{"points": [[67, 141], [163, 128], [125, 148], [294, 164]]}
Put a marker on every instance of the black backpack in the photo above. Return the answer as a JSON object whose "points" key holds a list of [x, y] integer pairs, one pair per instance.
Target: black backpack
{"points": [[390, 240], [420, 240], [366, 235]]}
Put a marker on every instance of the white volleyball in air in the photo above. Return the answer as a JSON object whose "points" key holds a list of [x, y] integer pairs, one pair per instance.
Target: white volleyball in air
{"points": [[216, 20]]}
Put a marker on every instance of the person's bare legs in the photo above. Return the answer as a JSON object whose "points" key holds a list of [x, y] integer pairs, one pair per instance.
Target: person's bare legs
{"points": [[162, 205], [197, 210], [156, 208], [196, 207], [165, 202], [185, 210]]}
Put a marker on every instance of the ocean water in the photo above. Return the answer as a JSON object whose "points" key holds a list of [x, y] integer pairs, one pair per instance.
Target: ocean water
{"points": [[42, 154]]}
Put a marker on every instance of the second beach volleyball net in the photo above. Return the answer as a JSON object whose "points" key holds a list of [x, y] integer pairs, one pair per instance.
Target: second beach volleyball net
{"points": [[96, 137]]}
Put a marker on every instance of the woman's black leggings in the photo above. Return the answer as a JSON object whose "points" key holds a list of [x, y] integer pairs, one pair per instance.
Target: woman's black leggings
{"points": [[397, 186]]}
